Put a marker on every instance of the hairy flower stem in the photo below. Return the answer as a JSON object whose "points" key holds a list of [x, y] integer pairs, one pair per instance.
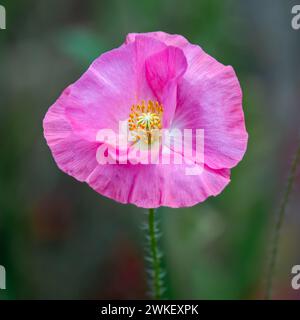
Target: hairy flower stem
{"points": [[279, 223], [155, 272]]}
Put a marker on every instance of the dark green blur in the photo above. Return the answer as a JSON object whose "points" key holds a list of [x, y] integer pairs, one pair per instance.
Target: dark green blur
{"points": [[59, 239]]}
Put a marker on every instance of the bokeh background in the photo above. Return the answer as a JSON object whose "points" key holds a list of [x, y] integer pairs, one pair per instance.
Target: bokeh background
{"points": [[59, 239]]}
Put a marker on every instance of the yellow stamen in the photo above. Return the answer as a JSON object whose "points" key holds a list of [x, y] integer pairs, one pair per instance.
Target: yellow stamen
{"points": [[145, 119]]}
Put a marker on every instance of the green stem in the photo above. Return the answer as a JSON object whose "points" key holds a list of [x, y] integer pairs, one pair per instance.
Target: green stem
{"points": [[155, 273], [279, 223]]}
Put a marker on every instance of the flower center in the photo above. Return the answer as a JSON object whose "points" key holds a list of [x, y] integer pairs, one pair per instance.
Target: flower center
{"points": [[145, 121]]}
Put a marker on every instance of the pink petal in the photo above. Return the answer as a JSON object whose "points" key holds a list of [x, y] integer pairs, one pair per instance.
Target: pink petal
{"points": [[163, 70], [104, 94], [72, 154], [215, 105], [209, 98], [169, 39], [152, 186]]}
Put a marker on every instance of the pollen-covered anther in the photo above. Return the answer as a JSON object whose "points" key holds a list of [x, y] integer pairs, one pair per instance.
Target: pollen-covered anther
{"points": [[145, 119]]}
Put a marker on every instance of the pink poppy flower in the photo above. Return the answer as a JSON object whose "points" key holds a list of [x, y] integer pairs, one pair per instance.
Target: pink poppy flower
{"points": [[154, 81]]}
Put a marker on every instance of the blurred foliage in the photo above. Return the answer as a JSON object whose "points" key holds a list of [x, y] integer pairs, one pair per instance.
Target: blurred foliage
{"points": [[59, 239]]}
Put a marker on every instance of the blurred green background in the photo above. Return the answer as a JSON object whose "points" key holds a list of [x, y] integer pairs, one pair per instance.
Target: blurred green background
{"points": [[59, 239]]}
